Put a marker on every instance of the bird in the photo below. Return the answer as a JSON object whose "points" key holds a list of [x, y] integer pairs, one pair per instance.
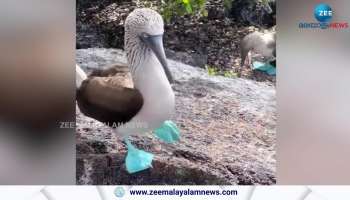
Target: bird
{"points": [[260, 43], [135, 98]]}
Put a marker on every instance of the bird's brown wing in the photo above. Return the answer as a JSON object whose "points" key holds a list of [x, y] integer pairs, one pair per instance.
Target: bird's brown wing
{"points": [[111, 100], [115, 69]]}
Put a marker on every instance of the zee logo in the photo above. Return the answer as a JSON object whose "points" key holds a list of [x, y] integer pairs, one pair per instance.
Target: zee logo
{"points": [[323, 12]]}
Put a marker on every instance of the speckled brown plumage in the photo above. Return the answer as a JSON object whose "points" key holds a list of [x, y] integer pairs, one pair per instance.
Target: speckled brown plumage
{"points": [[106, 96]]}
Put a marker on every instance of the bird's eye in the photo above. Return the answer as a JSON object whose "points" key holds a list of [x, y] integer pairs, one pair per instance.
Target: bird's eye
{"points": [[144, 35]]}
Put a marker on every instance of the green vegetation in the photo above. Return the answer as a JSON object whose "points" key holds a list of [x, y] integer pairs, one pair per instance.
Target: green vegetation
{"points": [[230, 74], [228, 4], [213, 71], [173, 8]]}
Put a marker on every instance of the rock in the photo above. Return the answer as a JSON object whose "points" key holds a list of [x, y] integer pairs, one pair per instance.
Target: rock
{"points": [[216, 10], [228, 133], [193, 59], [100, 23], [254, 12]]}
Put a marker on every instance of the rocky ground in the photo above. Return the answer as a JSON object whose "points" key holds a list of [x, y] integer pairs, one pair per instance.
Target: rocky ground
{"points": [[211, 41], [228, 132]]}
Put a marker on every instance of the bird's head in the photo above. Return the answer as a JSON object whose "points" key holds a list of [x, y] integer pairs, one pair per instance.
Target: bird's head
{"points": [[144, 29]]}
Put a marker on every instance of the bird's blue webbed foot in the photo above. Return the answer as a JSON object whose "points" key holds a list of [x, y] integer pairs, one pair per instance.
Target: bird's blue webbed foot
{"points": [[168, 132], [265, 67], [137, 160]]}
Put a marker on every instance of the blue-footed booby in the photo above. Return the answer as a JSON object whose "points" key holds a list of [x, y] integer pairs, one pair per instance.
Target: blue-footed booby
{"points": [[261, 43], [138, 104]]}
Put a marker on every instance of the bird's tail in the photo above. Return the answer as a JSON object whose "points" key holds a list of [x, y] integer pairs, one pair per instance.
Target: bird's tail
{"points": [[80, 76]]}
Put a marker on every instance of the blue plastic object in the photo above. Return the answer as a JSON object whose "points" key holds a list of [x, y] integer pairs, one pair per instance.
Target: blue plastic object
{"points": [[168, 132], [265, 67], [137, 160]]}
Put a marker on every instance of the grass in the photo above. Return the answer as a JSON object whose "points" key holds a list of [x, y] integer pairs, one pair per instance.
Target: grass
{"points": [[213, 71]]}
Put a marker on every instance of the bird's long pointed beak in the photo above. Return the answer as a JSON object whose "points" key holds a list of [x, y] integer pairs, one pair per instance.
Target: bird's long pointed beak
{"points": [[155, 42]]}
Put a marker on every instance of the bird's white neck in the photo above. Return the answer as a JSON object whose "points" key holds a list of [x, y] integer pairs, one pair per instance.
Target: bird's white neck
{"points": [[158, 97], [150, 79], [149, 76]]}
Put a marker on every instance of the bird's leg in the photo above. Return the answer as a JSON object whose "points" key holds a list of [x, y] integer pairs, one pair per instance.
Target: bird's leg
{"points": [[137, 160], [168, 132], [249, 59], [244, 53]]}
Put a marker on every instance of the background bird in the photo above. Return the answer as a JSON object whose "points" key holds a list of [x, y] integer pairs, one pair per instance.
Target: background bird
{"points": [[260, 43], [137, 98]]}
